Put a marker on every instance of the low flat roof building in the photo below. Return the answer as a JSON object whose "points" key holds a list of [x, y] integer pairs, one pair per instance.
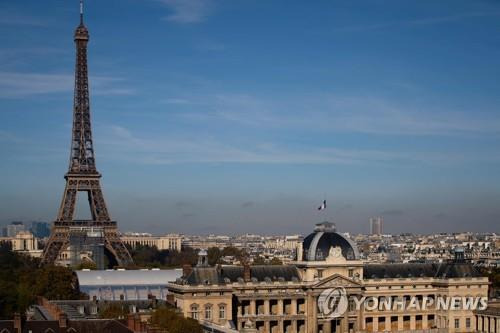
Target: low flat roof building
{"points": [[126, 284]]}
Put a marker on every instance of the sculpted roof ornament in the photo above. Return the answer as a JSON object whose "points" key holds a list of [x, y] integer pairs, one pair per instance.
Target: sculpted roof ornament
{"points": [[325, 244]]}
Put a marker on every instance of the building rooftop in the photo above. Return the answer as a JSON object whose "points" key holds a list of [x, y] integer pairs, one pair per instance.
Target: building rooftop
{"points": [[447, 270], [231, 274], [142, 277]]}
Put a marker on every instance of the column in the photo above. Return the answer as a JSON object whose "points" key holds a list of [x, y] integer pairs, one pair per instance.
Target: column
{"points": [[294, 306], [425, 323], [294, 326], [253, 307], [413, 323], [280, 307], [400, 323], [267, 310], [311, 314], [327, 327], [375, 324], [345, 322]]}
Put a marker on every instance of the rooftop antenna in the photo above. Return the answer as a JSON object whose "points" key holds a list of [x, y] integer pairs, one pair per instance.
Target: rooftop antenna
{"points": [[81, 11]]}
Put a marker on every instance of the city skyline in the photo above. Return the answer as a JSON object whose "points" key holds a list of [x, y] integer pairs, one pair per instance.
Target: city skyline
{"points": [[203, 123]]}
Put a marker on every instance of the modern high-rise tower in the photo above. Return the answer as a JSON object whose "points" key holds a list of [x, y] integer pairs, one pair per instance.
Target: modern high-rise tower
{"points": [[376, 225], [72, 241]]}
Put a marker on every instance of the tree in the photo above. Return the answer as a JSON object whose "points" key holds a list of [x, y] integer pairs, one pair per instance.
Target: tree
{"points": [[258, 260], [22, 279], [276, 261], [56, 282], [149, 256], [240, 255], [214, 256], [86, 264], [114, 311], [167, 319]]}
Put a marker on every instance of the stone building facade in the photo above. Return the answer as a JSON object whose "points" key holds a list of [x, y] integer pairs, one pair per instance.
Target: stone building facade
{"points": [[488, 320], [165, 242], [287, 298]]}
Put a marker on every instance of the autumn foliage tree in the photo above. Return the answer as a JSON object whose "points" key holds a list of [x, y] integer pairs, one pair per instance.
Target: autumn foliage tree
{"points": [[22, 279], [169, 320]]}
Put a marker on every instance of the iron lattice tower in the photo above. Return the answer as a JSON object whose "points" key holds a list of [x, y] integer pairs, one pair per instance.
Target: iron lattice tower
{"points": [[82, 175]]}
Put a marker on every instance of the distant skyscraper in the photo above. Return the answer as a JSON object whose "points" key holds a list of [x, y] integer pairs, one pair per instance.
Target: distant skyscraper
{"points": [[13, 228], [376, 225], [40, 229]]}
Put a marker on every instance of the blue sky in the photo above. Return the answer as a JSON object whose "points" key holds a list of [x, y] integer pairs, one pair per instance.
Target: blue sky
{"points": [[241, 116]]}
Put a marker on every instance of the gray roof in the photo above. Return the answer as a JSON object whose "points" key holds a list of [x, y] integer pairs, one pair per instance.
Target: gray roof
{"points": [[230, 274], [317, 245], [141, 277], [446, 270]]}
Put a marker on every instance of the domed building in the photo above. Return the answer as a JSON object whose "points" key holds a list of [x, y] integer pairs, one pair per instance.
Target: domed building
{"points": [[326, 252], [325, 241], [290, 298]]}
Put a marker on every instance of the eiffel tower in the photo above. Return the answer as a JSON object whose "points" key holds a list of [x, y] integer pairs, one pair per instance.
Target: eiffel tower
{"points": [[99, 233]]}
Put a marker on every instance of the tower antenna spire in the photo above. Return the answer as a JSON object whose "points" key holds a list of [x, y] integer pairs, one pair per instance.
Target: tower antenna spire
{"points": [[81, 11]]}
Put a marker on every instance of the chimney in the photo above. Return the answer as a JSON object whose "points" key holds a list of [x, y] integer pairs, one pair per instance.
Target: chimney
{"points": [[63, 320], [186, 270], [131, 322], [247, 276], [17, 323], [138, 327]]}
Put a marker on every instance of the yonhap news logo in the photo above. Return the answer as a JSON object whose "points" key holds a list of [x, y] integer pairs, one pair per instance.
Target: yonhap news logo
{"points": [[334, 302]]}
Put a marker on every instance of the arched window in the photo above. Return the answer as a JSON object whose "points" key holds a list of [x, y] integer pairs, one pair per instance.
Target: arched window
{"points": [[222, 311], [194, 311], [208, 312]]}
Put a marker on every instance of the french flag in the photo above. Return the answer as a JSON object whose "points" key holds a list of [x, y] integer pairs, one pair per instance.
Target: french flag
{"points": [[323, 205]]}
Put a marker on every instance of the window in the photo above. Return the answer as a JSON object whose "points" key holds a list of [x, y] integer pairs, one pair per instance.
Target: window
{"points": [[222, 311], [352, 304], [208, 312], [467, 322], [457, 323], [320, 273], [194, 311], [350, 272]]}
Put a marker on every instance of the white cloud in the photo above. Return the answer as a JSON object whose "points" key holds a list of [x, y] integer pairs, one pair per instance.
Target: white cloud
{"points": [[178, 101], [416, 22], [15, 85], [328, 112], [188, 11], [119, 143], [7, 18]]}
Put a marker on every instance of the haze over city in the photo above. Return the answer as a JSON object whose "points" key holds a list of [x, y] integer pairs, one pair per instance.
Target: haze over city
{"points": [[235, 117]]}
